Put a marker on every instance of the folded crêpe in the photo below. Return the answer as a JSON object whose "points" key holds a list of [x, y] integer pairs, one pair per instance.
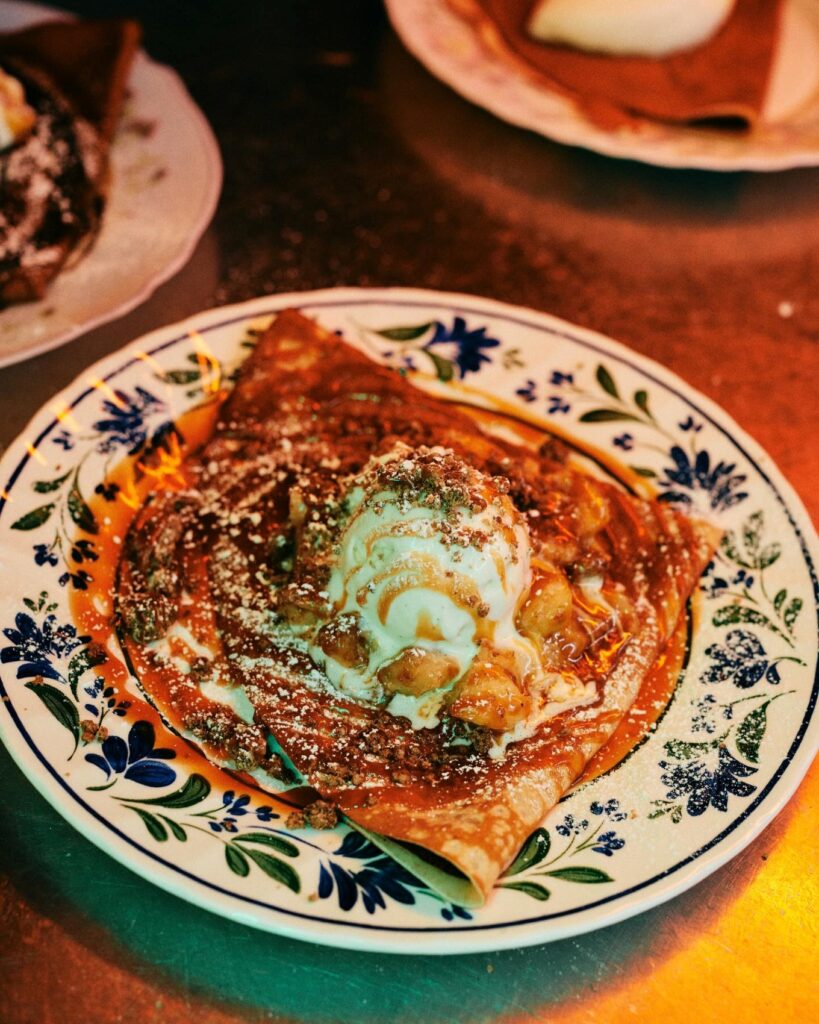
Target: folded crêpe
{"points": [[722, 80], [436, 628]]}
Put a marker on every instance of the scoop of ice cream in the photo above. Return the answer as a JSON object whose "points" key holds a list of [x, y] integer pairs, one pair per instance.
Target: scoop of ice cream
{"points": [[431, 565], [645, 28]]}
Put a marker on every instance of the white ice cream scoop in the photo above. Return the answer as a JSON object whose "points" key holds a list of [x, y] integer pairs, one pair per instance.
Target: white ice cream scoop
{"points": [[433, 559], [644, 28]]}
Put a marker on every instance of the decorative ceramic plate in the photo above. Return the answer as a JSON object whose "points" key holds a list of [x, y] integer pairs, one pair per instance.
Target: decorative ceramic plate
{"points": [[787, 136], [722, 760], [166, 174]]}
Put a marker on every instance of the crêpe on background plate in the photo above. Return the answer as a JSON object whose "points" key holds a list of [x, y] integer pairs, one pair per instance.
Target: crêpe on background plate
{"points": [[724, 80], [55, 181]]}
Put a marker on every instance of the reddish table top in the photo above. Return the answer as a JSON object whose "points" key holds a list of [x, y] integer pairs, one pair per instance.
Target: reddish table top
{"points": [[370, 172]]}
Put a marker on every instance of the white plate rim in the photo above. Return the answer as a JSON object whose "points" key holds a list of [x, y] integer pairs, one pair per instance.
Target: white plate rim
{"points": [[570, 127], [454, 939]]}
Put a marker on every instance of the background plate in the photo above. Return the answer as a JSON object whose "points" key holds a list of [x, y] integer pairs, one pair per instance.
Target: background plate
{"points": [[788, 137], [166, 174], [731, 748]]}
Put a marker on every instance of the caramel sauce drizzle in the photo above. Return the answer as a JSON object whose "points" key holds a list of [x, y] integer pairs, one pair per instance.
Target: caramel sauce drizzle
{"points": [[426, 628], [93, 609]]}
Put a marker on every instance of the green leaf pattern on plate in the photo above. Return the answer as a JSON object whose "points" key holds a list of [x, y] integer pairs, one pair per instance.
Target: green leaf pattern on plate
{"points": [[755, 613]]}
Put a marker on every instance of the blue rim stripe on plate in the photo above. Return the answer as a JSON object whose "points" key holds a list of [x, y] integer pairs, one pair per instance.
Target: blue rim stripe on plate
{"points": [[450, 928]]}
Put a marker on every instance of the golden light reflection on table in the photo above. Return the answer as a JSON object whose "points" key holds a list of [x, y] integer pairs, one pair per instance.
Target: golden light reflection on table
{"points": [[714, 964]]}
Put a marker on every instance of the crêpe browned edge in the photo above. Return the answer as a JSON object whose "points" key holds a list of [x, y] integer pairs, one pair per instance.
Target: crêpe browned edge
{"points": [[476, 822], [724, 80]]}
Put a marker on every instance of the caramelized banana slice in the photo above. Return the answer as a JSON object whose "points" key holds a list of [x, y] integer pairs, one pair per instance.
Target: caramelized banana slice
{"points": [[490, 695], [416, 671]]}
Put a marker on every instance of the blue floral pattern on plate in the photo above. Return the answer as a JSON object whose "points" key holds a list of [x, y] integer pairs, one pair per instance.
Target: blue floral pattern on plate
{"points": [[455, 350], [708, 765]]}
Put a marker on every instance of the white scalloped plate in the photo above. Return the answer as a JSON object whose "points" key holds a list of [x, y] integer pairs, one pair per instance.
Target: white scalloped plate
{"points": [[728, 752], [164, 189], [788, 135]]}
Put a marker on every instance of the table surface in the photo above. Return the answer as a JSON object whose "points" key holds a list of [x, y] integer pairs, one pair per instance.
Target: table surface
{"points": [[346, 163]]}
